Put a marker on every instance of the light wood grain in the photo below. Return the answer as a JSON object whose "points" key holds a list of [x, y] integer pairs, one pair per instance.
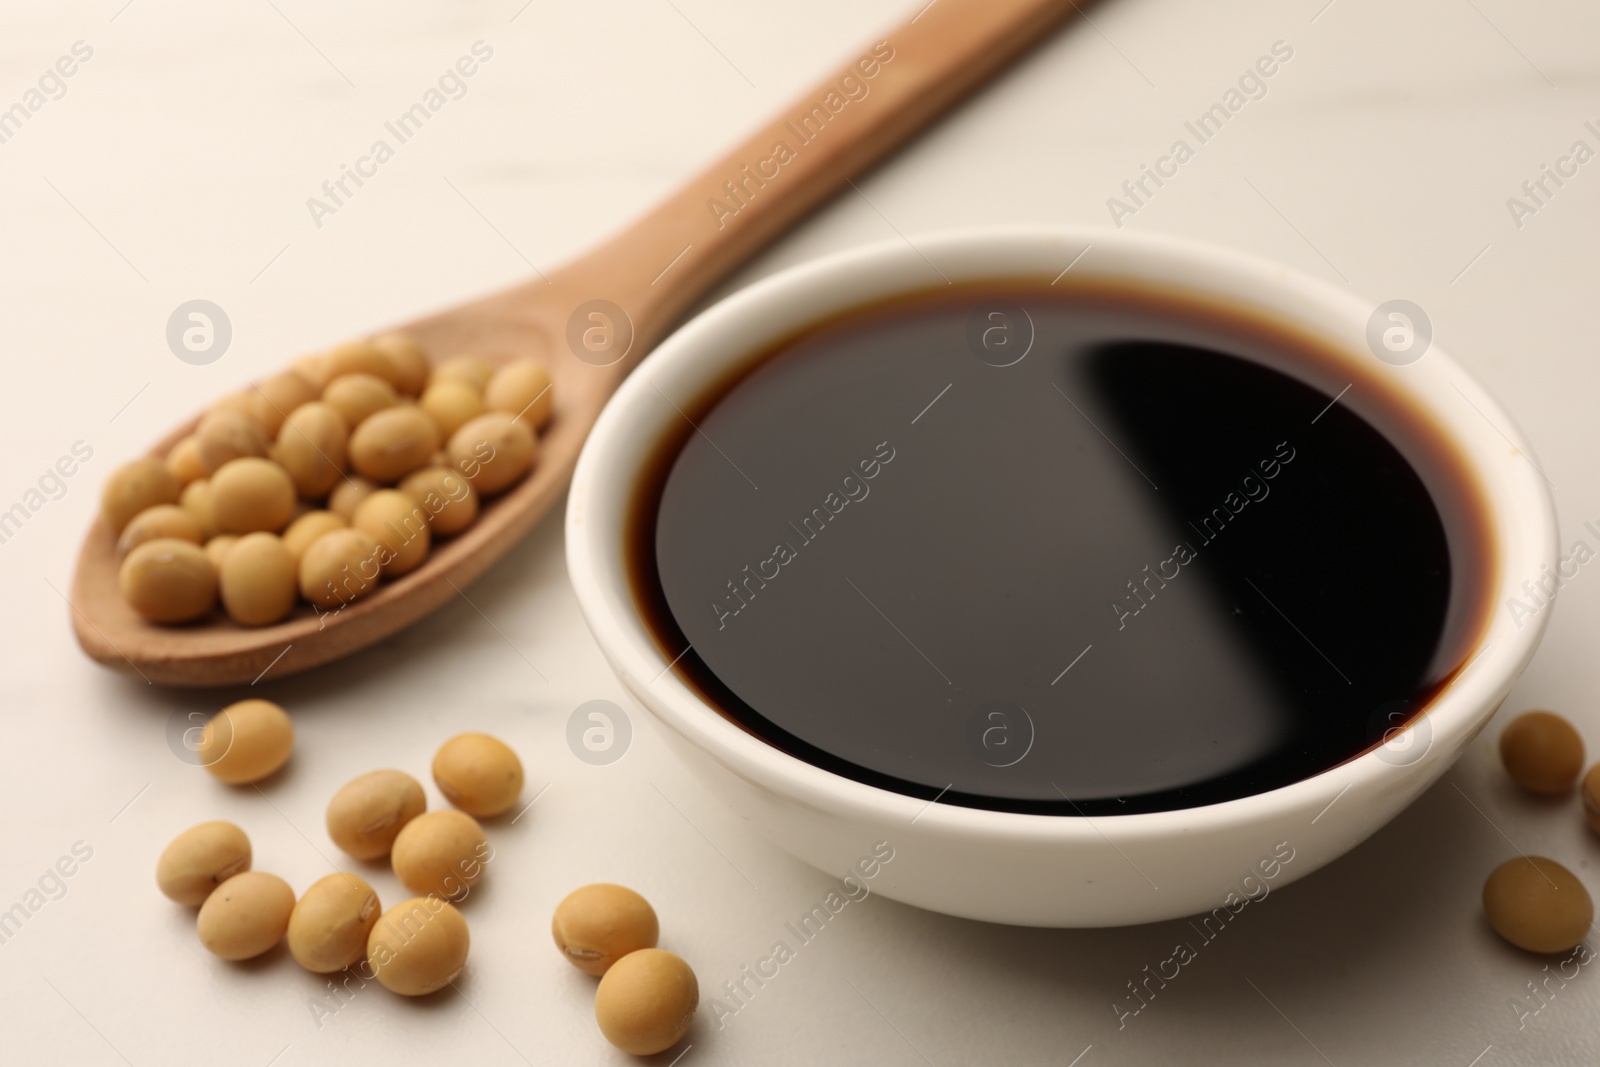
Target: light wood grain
{"points": [[655, 270]]}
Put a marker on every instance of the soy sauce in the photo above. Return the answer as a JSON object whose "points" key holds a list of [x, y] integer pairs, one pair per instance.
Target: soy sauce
{"points": [[1078, 550]]}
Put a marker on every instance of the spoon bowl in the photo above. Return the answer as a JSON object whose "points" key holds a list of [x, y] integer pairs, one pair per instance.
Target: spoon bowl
{"points": [[217, 651]]}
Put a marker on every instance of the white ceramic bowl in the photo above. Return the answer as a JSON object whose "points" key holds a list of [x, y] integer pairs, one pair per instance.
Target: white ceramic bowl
{"points": [[1042, 870]]}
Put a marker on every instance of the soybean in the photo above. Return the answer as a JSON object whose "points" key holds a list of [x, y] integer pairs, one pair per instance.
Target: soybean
{"points": [[442, 853], [493, 451], [237, 403], [1542, 752], [200, 859], [245, 916], [312, 447], [258, 580], [478, 774], [368, 813], [418, 946], [330, 924], [358, 397], [247, 741], [597, 925], [348, 495], [399, 524], [273, 400], [306, 529], [313, 369], [451, 404], [196, 500], [521, 389], [407, 362], [474, 370], [450, 503], [1591, 797], [339, 567], [392, 443], [167, 580], [163, 520], [251, 494], [184, 460], [218, 547], [229, 435], [132, 488], [646, 1001], [1537, 904], [358, 357]]}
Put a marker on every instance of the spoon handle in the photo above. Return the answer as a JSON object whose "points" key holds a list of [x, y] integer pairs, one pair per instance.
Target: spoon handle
{"points": [[659, 266]]}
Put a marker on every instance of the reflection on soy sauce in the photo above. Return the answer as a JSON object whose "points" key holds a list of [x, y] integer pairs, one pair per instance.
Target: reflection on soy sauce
{"points": [[1318, 545]]}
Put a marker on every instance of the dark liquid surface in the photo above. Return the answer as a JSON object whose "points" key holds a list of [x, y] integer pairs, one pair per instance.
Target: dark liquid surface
{"points": [[1133, 570]]}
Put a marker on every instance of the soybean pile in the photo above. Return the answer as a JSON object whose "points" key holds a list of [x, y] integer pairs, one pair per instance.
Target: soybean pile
{"points": [[321, 482]]}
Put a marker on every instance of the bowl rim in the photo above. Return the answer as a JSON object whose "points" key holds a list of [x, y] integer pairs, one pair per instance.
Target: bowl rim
{"points": [[1521, 510]]}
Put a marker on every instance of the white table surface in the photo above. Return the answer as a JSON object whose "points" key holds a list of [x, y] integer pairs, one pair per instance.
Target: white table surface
{"points": [[177, 166]]}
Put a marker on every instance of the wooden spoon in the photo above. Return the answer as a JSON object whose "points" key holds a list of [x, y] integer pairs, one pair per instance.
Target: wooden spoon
{"points": [[591, 321]]}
